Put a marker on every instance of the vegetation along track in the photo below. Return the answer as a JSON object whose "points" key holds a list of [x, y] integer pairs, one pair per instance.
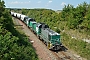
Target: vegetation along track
{"points": [[47, 54]]}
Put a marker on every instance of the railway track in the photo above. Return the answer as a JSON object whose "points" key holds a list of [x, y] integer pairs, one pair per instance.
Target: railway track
{"points": [[66, 56], [60, 55]]}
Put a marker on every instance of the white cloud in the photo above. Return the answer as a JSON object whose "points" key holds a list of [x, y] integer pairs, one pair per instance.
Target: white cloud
{"points": [[63, 3], [18, 2], [39, 2], [15, 2], [49, 1]]}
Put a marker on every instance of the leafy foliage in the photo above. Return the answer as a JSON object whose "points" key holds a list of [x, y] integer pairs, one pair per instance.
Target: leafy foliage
{"points": [[13, 45], [76, 17]]}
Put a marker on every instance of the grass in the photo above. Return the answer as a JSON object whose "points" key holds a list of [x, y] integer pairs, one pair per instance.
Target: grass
{"points": [[81, 47]]}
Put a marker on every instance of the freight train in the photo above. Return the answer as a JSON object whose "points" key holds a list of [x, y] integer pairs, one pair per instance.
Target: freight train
{"points": [[48, 36]]}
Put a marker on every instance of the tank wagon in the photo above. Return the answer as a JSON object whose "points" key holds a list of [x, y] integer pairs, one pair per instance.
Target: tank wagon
{"points": [[12, 13], [24, 18], [15, 15], [18, 15], [48, 36]]}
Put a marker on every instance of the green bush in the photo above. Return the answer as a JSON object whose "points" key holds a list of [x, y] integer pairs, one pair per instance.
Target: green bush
{"points": [[13, 45]]}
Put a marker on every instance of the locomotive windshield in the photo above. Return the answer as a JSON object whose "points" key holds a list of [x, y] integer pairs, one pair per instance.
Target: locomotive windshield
{"points": [[55, 39]]}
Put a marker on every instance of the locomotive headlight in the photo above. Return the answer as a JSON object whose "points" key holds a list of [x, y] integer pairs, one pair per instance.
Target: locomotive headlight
{"points": [[53, 45]]}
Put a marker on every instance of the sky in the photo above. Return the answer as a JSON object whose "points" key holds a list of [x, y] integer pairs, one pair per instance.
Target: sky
{"points": [[47, 4]]}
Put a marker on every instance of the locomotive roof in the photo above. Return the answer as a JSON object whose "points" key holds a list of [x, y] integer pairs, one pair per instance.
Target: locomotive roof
{"points": [[51, 32], [31, 19], [38, 24], [42, 25], [33, 22]]}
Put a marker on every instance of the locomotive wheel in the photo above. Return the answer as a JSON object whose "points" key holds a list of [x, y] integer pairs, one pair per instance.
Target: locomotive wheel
{"points": [[48, 45]]}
